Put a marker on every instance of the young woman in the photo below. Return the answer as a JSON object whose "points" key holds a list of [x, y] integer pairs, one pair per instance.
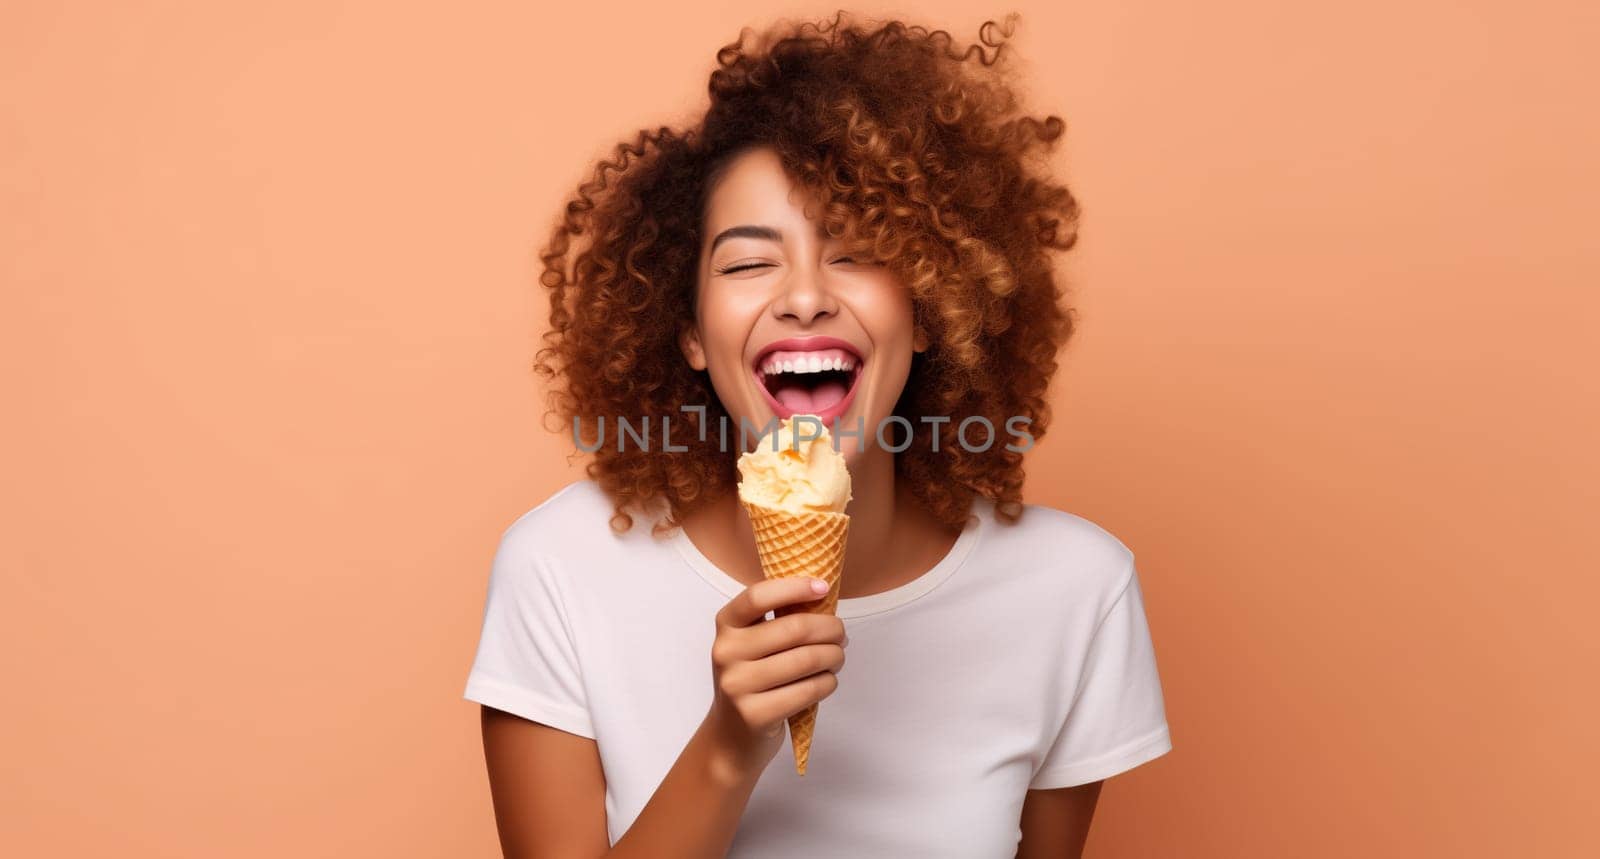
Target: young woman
{"points": [[857, 229]]}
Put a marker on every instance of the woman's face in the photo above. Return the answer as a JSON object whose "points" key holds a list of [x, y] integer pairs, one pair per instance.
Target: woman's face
{"points": [[787, 322]]}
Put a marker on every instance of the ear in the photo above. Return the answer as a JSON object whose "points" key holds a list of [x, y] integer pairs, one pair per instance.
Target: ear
{"points": [[693, 351], [919, 339]]}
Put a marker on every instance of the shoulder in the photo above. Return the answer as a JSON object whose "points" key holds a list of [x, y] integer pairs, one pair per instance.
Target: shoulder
{"points": [[1074, 556], [575, 519], [573, 504]]}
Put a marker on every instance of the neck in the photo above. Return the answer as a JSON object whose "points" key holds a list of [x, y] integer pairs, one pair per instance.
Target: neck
{"points": [[877, 515]]}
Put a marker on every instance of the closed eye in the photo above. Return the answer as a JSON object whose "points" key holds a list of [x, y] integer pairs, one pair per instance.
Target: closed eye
{"points": [[738, 268], [734, 268]]}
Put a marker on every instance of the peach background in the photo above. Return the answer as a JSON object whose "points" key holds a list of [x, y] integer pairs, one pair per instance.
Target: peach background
{"points": [[268, 307]]}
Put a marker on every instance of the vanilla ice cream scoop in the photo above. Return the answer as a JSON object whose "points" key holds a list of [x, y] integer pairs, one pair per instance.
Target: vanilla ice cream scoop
{"points": [[802, 476]]}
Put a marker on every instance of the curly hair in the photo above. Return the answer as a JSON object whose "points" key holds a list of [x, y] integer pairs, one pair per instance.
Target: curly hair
{"points": [[919, 155]]}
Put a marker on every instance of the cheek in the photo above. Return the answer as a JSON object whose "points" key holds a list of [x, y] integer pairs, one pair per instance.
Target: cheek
{"points": [[886, 314], [726, 318]]}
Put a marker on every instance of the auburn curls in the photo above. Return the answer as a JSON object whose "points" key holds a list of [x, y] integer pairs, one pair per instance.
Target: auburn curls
{"points": [[919, 157]]}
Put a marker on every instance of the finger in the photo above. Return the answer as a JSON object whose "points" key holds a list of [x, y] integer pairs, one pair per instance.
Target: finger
{"points": [[746, 678], [782, 633], [753, 603], [778, 704]]}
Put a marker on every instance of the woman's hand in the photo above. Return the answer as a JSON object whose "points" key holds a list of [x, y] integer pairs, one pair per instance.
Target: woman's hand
{"points": [[767, 670]]}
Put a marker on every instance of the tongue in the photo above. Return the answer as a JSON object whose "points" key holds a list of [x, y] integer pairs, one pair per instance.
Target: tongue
{"points": [[809, 400]]}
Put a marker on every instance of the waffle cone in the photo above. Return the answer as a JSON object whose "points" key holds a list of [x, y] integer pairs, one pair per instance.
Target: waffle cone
{"points": [[801, 544]]}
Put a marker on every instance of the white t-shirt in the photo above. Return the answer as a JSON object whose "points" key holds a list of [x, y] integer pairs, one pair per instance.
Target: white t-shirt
{"points": [[1021, 660]]}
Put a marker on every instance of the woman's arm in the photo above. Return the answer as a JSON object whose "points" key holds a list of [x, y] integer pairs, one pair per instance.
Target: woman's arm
{"points": [[549, 785], [1055, 823], [549, 791], [549, 796]]}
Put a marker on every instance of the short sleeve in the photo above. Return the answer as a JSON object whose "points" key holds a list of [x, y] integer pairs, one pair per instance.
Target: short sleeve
{"points": [[1117, 720], [526, 663]]}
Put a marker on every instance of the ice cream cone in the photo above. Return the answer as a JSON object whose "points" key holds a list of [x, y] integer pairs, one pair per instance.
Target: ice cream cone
{"points": [[803, 543]]}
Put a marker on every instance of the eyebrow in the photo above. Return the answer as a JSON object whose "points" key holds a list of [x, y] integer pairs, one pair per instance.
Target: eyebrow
{"points": [[753, 231]]}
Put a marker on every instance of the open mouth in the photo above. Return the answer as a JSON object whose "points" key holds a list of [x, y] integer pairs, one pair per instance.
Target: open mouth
{"points": [[812, 375]]}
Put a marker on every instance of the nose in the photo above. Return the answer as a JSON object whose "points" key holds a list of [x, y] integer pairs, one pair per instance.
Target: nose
{"points": [[805, 297]]}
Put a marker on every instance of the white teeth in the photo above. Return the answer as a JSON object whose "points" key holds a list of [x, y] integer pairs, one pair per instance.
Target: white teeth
{"points": [[808, 364]]}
